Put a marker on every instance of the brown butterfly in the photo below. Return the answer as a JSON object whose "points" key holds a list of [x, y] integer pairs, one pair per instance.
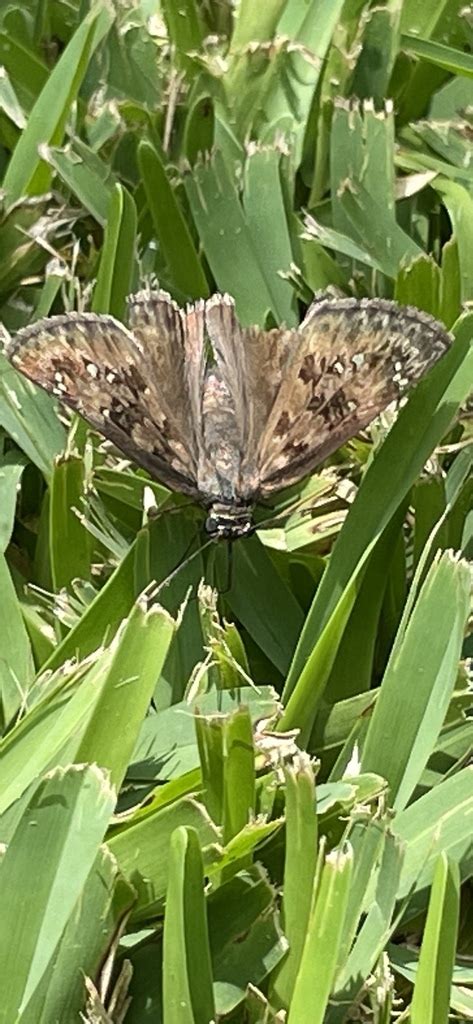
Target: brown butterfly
{"points": [[224, 413]]}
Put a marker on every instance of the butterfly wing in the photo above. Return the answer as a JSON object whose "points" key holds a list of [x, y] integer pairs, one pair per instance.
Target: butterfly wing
{"points": [[350, 360], [103, 371], [173, 343]]}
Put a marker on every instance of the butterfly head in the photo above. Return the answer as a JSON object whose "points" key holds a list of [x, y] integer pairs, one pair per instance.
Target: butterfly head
{"points": [[229, 522]]}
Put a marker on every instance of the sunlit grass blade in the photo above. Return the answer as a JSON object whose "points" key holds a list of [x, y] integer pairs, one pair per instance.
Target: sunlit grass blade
{"points": [[324, 932], [438, 822], [227, 239], [299, 875], [16, 662], [69, 812], [421, 674], [431, 998], [376, 906], [187, 976], [139, 653]]}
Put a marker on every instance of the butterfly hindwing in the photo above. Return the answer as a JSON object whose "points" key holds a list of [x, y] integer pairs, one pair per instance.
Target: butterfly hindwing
{"points": [[97, 367], [350, 360]]}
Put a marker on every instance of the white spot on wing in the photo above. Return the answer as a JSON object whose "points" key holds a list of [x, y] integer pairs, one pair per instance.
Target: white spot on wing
{"points": [[358, 359]]}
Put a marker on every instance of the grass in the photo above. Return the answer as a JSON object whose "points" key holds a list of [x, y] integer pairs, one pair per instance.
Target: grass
{"points": [[250, 802]]}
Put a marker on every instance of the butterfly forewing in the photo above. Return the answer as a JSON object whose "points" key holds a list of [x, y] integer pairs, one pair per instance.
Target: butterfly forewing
{"points": [[96, 366], [350, 360]]}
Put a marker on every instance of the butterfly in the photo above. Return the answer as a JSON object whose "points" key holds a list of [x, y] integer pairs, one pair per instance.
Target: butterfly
{"points": [[227, 414]]}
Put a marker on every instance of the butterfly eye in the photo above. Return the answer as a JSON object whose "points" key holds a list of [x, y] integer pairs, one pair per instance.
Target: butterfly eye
{"points": [[212, 525]]}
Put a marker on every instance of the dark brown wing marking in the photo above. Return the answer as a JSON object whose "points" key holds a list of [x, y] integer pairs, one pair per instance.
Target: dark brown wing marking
{"points": [[352, 358]]}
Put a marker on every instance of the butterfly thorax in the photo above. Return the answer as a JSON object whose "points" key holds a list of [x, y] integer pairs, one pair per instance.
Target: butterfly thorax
{"points": [[229, 522]]}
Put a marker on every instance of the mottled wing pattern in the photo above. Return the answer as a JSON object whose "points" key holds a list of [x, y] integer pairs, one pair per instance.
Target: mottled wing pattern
{"points": [[226, 413], [350, 360], [251, 364], [100, 369]]}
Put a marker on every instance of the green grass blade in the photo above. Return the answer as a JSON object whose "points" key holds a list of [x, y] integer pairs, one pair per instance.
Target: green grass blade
{"points": [[418, 284], [12, 465], [142, 849], [299, 874], [455, 61], [291, 92], [187, 973], [239, 773], [255, 22], [139, 652], [16, 662], [70, 544], [438, 822], [310, 1002], [28, 73], [185, 28], [375, 927], [263, 203], [228, 240], [459, 204], [85, 175], [86, 942], [68, 814], [431, 999], [26, 173], [50, 731], [118, 260], [210, 742], [379, 47], [419, 680], [103, 616], [170, 225], [273, 618]]}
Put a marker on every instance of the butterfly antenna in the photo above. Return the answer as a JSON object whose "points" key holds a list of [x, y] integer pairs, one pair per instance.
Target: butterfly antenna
{"points": [[185, 561]]}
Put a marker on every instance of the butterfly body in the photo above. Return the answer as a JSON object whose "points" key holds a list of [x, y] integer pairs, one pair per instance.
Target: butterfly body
{"points": [[226, 414]]}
